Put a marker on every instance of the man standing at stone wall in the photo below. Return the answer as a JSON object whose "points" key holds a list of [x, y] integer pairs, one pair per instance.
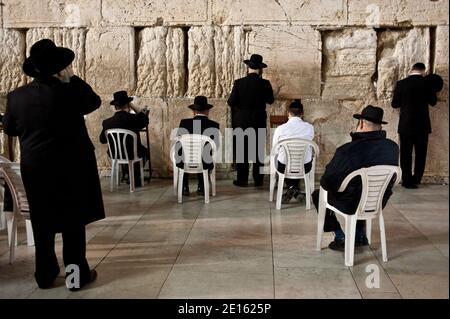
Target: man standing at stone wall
{"points": [[413, 95], [248, 100]]}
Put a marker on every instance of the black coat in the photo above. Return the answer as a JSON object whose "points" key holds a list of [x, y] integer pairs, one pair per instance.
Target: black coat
{"points": [[58, 164], [413, 95], [128, 121], [365, 150], [248, 100]]}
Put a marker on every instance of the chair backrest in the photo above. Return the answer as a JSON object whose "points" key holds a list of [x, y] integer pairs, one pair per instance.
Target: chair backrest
{"points": [[122, 144], [375, 180], [193, 146], [11, 173], [295, 150]]}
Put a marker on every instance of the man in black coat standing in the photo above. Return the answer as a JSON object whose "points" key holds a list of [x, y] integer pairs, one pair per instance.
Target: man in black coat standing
{"points": [[199, 124], [248, 100], [369, 147], [124, 119], [413, 95], [58, 164]]}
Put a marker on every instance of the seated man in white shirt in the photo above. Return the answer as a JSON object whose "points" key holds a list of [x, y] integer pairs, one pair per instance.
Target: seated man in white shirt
{"points": [[294, 128]]}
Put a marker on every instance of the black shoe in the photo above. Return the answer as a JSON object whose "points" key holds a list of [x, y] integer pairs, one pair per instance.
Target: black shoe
{"points": [[186, 191], [288, 195], [92, 278], [409, 186], [47, 284], [337, 244], [259, 184], [300, 197], [200, 191], [240, 184], [361, 242]]}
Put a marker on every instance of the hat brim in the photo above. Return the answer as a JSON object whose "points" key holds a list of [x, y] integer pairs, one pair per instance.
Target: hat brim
{"points": [[254, 66], [200, 108], [359, 117], [64, 58], [120, 103]]}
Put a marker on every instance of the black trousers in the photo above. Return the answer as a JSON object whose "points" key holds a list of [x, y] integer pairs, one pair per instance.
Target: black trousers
{"points": [[208, 166], [74, 253], [331, 222], [420, 145], [243, 166], [295, 183]]}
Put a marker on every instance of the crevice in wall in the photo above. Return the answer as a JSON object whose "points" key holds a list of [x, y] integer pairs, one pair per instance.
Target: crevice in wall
{"points": [[324, 60], [1, 13], [185, 30], [432, 48], [137, 47], [380, 48]]}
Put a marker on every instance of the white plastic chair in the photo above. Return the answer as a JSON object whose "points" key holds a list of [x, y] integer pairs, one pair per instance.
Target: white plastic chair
{"points": [[375, 181], [295, 150], [192, 146], [119, 138], [11, 174]]}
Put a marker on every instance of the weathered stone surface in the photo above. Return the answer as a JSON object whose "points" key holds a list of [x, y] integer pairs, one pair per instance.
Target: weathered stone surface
{"points": [[160, 67], [349, 63], [67, 37], [12, 56], [293, 58], [110, 59], [438, 151], [152, 12], [279, 12], [397, 12], [442, 58], [398, 51], [51, 13], [215, 60]]}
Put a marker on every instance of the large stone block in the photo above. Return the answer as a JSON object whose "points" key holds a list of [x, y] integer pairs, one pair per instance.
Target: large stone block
{"points": [[12, 56], [441, 59], [377, 13], [349, 63], [279, 12], [110, 59], [438, 151], [293, 55], [154, 12], [160, 66], [398, 51], [51, 13], [74, 39]]}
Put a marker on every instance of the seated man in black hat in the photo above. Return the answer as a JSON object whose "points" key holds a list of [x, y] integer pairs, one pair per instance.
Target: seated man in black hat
{"points": [[124, 119], [199, 124], [369, 147]]}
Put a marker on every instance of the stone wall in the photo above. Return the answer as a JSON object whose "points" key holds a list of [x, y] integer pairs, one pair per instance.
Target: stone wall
{"points": [[337, 55]]}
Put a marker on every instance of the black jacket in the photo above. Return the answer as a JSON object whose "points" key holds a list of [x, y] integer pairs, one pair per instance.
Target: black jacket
{"points": [[365, 150], [248, 100], [47, 116], [412, 95], [128, 121]]}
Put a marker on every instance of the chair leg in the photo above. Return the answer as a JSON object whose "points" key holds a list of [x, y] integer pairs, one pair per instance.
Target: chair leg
{"points": [[117, 172], [30, 237], [113, 174], [280, 190], [175, 180], [10, 228], [180, 185], [206, 185], [307, 192], [320, 220], [213, 181], [141, 163], [383, 238], [12, 247], [369, 230], [131, 175], [273, 180], [350, 234]]}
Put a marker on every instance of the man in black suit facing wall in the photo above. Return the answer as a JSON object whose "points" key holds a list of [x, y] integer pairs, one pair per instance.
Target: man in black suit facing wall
{"points": [[413, 95]]}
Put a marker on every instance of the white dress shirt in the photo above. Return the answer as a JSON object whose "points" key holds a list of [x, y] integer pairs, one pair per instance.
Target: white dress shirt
{"points": [[294, 128]]}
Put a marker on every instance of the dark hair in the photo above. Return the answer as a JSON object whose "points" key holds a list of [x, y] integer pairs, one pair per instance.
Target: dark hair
{"points": [[296, 107], [419, 67], [121, 107]]}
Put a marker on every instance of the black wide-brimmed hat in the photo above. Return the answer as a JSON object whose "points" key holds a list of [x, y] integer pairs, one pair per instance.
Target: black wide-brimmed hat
{"points": [[47, 59], [255, 62], [121, 98], [372, 114], [200, 104], [435, 82]]}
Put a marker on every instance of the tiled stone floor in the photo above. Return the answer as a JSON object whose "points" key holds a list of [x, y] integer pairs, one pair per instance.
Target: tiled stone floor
{"points": [[239, 246]]}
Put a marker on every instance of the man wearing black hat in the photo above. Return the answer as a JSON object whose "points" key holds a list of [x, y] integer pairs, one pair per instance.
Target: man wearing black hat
{"points": [[58, 164], [199, 124], [369, 147], [248, 100], [413, 95], [294, 128], [124, 119]]}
